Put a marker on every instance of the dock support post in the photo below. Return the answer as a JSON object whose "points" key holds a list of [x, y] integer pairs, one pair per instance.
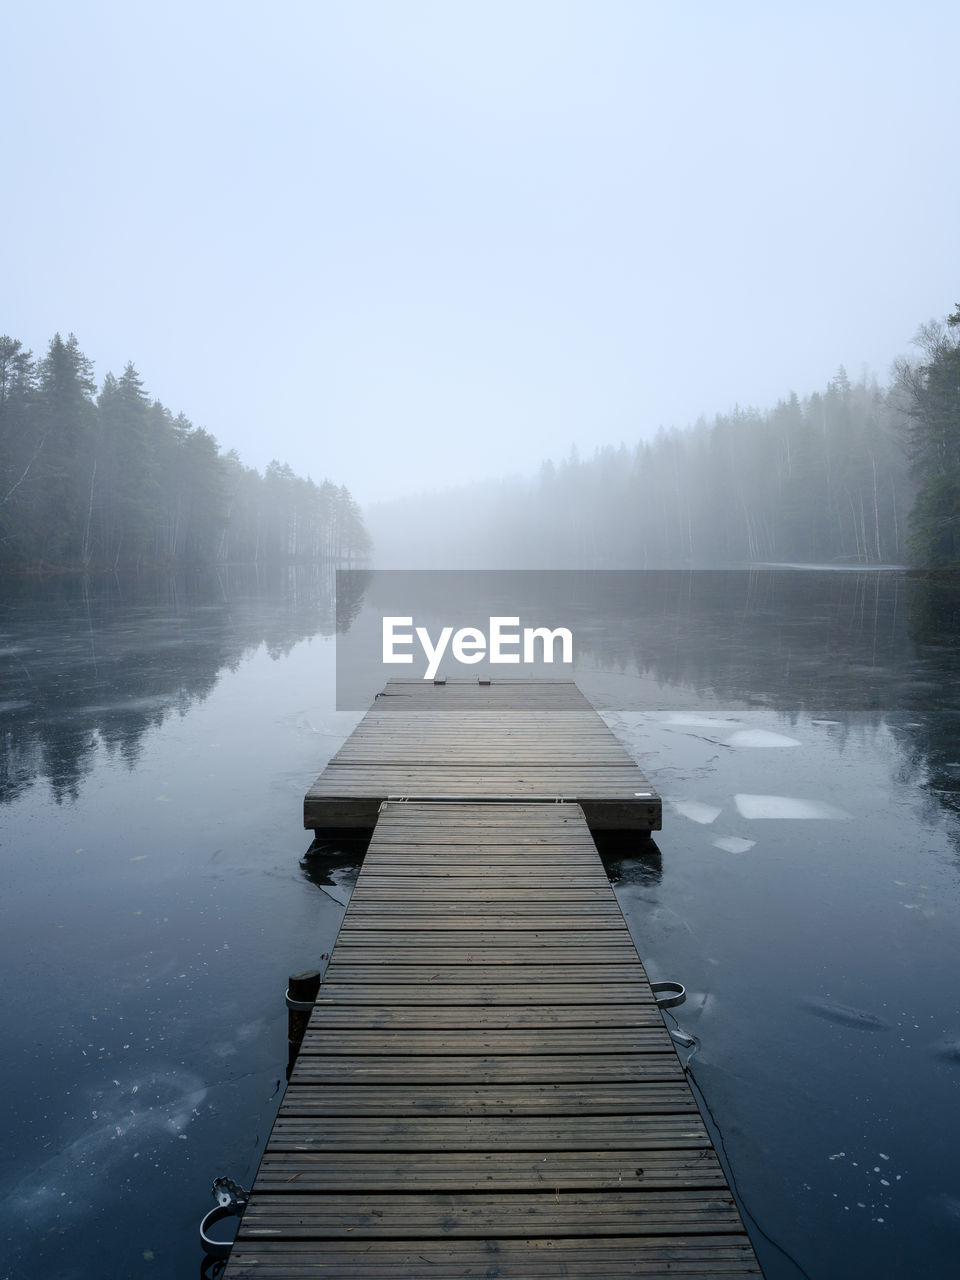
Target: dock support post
{"points": [[302, 989]]}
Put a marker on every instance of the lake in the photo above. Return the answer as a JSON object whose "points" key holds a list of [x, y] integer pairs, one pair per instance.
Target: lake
{"points": [[804, 729]]}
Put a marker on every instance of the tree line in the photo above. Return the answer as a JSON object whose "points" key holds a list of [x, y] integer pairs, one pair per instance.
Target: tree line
{"points": [[814, 480], [111, 479], [853, 474]]}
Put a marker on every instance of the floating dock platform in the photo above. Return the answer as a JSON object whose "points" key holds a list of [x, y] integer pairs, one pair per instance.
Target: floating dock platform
{"points": [[500, 740], [487, 1087]]}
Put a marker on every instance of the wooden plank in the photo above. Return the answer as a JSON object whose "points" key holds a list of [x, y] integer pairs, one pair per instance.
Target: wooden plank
{"points": [[379, 990], [483, 1041], [595, 907], [481, 915], [465, 878], [384, 922], [396, 857], [513, 1170], [491, 1017], [503, 955], [485, 893], [511, 1259], [491, 1133], [334, 1098], [472, 1214], [569, 1068], [491, 918], [429, 977]]}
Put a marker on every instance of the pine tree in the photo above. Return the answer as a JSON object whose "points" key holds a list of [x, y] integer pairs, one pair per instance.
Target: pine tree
{"points": [[930, 398], [65, 426], [20, 447]]}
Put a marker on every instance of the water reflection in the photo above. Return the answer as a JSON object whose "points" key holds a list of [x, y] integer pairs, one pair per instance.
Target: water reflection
{"points": [[928, 719], [779, 636], [88, 664], [629, 857]]}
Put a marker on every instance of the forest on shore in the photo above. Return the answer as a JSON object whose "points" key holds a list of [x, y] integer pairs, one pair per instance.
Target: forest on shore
{"points": [[854, 474], [113, 480]]}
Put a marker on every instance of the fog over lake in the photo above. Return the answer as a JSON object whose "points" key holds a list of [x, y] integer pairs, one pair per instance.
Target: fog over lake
{"points": [[658, 302]]}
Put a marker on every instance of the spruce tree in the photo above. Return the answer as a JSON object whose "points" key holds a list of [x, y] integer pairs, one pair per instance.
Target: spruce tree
{"points": [[930, 395]]}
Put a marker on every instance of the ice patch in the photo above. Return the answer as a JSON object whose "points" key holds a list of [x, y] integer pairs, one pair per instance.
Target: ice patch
{"points": [[695, 811], [733, 844], [14, 704], [845, 1015], [949, 1051], [786, 807], [691, 719], [143, 1111], [760, 738]]}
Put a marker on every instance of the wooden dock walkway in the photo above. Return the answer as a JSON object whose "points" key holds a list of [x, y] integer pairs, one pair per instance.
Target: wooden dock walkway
{"points": [[504, 740], [487, 1087]]}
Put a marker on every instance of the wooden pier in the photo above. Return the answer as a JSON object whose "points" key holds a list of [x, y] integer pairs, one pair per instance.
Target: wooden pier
{"points": [[504, 740], [487, 1087]]}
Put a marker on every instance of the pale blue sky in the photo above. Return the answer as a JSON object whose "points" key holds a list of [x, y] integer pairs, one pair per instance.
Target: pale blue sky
{"points": [[403, 243]]}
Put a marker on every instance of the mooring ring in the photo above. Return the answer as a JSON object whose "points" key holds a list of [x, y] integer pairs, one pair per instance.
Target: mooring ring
{"points": [[218, 1248], [299, 1006], [673, 993]]}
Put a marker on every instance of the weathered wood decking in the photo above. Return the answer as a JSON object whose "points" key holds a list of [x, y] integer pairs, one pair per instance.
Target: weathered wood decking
{"points": [[507, 740], [487, 1087]]}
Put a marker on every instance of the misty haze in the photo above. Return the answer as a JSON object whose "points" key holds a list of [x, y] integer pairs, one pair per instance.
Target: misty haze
{"points": [[636, 325]]}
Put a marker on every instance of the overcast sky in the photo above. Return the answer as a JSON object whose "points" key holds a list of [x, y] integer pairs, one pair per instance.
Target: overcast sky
{"points": [[401, 244]]}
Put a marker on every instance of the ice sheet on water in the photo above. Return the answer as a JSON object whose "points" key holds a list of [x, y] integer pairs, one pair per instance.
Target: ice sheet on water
{"points": [[949, 1051], [760, 738], [695, 810], [696, 720], [139, 1111], [733, 844], [844, 1014], [750, 806]]}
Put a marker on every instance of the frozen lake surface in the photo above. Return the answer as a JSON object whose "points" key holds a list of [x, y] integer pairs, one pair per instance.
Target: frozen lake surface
{"points": [[803, 728]]}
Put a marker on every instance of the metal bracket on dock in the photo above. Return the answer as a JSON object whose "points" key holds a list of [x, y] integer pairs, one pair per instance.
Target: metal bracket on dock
{"points": [[231, 1202], [299, 1006], [668, 994]]}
